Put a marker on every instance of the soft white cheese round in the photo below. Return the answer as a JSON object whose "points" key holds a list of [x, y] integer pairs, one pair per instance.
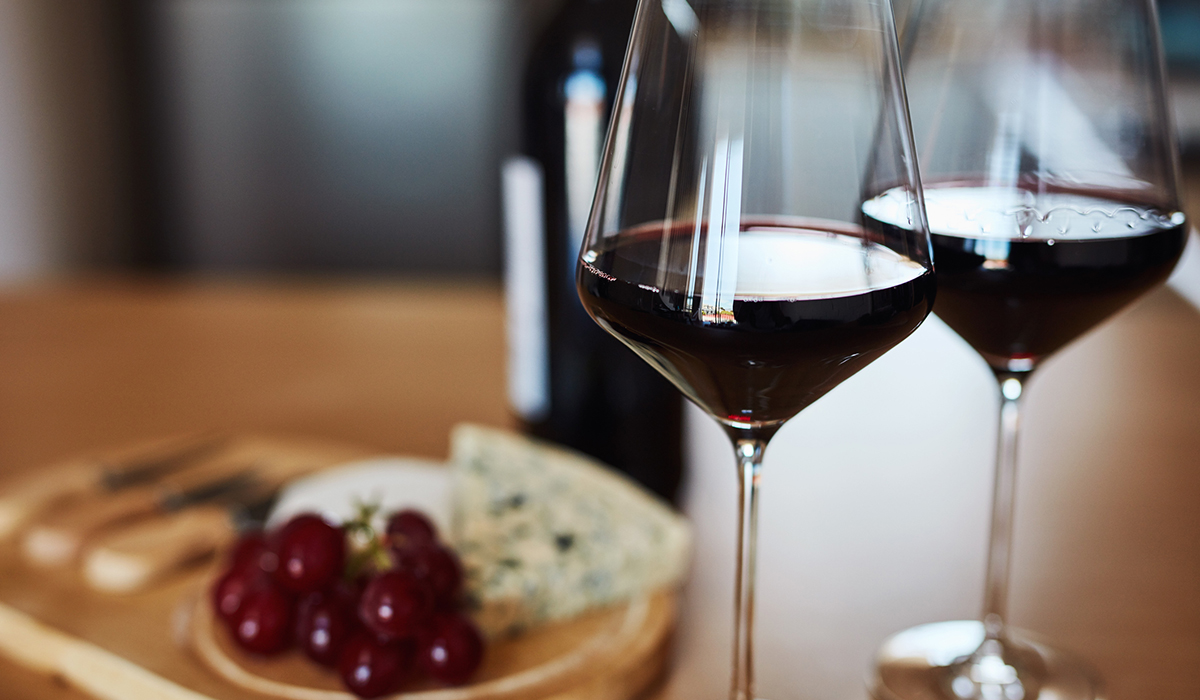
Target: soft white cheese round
{"points": [[392, 483]]}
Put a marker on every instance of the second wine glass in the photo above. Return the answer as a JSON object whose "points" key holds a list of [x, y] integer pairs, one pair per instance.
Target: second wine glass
{"points": [[726, 244], [1051, 189]]}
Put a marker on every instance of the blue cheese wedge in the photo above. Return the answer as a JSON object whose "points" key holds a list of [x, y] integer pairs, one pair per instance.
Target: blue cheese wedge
{"points": [[545, 533]]}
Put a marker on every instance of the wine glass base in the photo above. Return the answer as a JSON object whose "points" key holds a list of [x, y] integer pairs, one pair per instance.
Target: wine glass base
{"points": [[945, 661]]}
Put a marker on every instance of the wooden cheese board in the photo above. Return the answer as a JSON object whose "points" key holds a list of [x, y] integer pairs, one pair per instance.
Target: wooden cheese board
{"points": [[160, 642]]}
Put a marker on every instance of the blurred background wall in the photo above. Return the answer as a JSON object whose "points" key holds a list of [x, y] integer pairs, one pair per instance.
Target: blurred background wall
{"points": [[336, 134], [285, 135], [62, 156]]}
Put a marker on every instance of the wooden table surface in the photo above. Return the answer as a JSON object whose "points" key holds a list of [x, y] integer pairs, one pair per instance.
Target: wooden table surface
{"points": [[879, 524], [103, 363]]}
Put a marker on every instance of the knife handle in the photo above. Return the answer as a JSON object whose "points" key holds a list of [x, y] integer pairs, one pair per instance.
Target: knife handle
{"points": [[57, 538], [24, 499], [133, 557]]}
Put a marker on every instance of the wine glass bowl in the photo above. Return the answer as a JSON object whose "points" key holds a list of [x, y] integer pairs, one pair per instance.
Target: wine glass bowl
{"points": [[730, 199], [1051, 173], [727, 245], [1026, 269]]}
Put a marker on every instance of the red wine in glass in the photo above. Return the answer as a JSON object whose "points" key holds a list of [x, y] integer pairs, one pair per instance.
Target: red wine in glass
{"points": [[819, 303], [1021, 273]]}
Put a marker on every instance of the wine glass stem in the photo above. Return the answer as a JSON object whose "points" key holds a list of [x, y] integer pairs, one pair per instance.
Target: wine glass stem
{"points": [[749, 455], [995, 599]]}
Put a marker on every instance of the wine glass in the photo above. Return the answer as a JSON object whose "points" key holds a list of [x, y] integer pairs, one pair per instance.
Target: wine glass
{"points": [[1051, 189], [726, 244]]}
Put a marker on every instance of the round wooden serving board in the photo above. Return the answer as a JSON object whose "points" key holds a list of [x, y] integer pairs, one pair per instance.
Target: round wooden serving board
{"points": [[110, 646], [611, 654]]}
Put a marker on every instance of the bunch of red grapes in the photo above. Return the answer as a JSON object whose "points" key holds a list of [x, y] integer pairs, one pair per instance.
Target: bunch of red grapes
{"points": [[377, 616]]}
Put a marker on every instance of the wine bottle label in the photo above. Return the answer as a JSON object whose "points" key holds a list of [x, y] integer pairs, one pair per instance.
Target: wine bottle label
{"points": [[586, 115], [525, 288]]}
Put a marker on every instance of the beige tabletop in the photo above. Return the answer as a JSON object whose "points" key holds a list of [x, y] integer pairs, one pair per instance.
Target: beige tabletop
{"points": [[875, 499]]}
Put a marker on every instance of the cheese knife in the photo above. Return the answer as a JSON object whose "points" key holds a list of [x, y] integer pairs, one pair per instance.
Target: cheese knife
{"points": [[59, 536], [25, 499], [135, 557]]}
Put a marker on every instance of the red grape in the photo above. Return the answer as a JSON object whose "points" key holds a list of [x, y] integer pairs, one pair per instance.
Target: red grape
{"points": [[395, 604], [451, 650], [408, 528], [371, 668], [347, 593], [437, 566], [312, 554], [370, 629], [323, 623], [248, 551], [263, 625], [231, 590]]}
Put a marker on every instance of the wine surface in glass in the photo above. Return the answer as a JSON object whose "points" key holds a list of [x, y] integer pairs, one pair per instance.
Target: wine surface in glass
{"points": [[1022, 274], [814, 303]]}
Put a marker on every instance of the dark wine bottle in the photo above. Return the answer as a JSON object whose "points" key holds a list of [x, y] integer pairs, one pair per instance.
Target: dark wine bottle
{"points": [[570, 382]]}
